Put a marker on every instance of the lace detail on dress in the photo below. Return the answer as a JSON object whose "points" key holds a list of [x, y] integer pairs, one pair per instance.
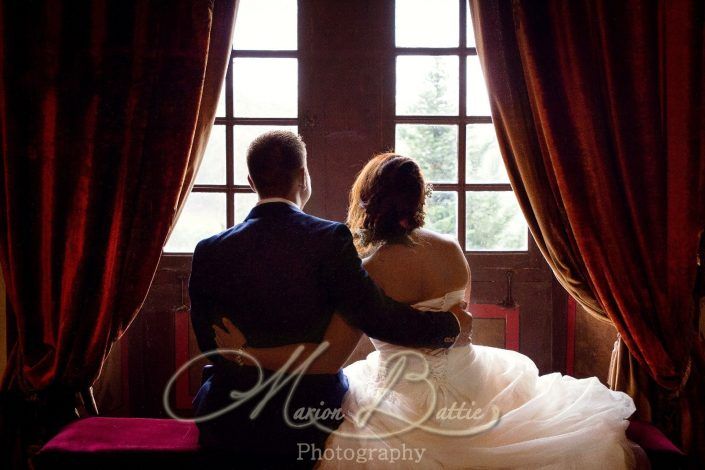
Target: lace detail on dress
{"points": [[438, 366], [416, 360]]}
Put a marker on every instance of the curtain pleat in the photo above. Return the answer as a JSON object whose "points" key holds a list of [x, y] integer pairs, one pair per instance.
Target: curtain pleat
{"points": [[598, 111], [105, 111]]}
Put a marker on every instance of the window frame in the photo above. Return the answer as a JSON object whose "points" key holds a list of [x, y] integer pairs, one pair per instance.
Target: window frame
{"points": [[461, 187]]}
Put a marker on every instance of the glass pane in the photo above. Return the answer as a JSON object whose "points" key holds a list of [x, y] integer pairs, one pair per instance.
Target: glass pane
{"points": [[244, 135], [265, 87], [478, 101], [220, 110], [483, 161], [212, 169], [420, 23], [244, 202], [203, 216], [469, 31], [435, 148], [442, 213], [265, 25], [427, 85], [494, 222]]}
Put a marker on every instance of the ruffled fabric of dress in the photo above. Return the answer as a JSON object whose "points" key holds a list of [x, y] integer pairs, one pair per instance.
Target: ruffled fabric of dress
{"points": [[475, 407]]}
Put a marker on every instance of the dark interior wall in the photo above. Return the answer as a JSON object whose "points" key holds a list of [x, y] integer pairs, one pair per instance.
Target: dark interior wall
{"points": [[594, 341], [346, 106], [534, 291], [345, 75]]}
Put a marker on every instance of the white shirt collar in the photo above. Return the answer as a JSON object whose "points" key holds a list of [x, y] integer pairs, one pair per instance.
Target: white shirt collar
{"points": [[277, 199]]}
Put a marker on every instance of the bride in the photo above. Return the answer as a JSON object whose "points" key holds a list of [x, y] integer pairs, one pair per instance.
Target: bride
{"points": [[466, 407]]}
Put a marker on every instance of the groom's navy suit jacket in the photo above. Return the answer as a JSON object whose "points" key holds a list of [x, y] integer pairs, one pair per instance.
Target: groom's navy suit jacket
{"points": [[279, 276]]}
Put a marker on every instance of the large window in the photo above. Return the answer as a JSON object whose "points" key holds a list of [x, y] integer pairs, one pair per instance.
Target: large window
{"points": [[260, 93], [443, 120]]}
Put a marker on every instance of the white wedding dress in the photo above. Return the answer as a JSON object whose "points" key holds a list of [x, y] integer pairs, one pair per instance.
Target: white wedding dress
{"points": [[547, 422]]}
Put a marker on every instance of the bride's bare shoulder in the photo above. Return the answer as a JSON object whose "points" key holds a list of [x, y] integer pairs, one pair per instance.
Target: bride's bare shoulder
{"points": [[437, 241], [432, 265], [446, 252]]}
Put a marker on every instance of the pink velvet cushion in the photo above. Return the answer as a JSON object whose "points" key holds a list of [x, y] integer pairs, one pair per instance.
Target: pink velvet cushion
{"points": [[650, 438], [108, 442], [160, 435], [125, 435]]}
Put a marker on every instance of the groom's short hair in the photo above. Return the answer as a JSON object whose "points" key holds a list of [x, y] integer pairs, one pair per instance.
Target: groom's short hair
{"points": [[273, 160]]}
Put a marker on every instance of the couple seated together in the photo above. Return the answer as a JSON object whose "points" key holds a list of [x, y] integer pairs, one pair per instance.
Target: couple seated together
{"points": [[279, 302]]}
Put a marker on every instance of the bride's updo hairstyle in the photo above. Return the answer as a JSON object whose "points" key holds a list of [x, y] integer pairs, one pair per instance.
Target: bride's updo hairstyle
{"points": [[386, 201]]}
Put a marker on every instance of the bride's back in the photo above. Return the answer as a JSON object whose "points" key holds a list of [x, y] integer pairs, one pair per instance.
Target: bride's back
{"points": [[430, 267]]}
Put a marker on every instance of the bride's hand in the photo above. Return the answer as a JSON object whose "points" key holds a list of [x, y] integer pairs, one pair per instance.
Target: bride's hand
{"points": [[230, 337]]}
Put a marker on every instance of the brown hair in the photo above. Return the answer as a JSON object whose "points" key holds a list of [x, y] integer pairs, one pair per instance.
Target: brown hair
{"points": [[273, 159], [386, 201]]}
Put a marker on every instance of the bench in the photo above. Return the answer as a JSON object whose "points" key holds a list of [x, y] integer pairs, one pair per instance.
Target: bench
{"points": [[107, 443]]}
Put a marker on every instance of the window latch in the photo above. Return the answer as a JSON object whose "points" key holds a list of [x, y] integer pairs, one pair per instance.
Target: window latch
{"points": [[508, 301]]}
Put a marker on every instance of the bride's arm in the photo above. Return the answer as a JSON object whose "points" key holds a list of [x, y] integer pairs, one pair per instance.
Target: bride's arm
{"points": [[342, 338], [468, 286], [458, 272]]}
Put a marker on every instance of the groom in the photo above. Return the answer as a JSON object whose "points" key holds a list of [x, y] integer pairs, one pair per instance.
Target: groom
{"points": [[280, 275]]}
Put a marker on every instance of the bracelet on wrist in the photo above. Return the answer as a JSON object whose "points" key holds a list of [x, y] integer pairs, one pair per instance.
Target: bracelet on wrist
{"points": [[239, 359]]}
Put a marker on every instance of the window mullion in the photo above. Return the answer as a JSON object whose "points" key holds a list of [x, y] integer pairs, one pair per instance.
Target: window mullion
{"points": [[462, 111]]}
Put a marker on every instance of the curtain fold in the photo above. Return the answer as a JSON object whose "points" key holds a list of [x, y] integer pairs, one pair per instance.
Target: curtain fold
{"points": [[105, 111], [598, 111]]}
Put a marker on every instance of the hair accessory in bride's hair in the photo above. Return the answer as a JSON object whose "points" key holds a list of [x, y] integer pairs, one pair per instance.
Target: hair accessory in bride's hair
{"points": [[363, 236]]}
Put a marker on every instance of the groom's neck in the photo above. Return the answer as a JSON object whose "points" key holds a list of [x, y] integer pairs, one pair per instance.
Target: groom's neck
{"points": [[293, 198]]}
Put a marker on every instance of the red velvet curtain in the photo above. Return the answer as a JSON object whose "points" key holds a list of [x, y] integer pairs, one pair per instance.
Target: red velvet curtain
{"points": [[105, 110], [598, 107]]}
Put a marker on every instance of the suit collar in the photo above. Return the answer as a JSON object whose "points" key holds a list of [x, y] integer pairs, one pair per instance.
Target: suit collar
{"points": [[276, 199], [272, 208]]}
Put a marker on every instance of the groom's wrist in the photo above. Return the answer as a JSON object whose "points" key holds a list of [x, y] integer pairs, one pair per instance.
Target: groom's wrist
{"points": [[451, 340], [464, 320]]}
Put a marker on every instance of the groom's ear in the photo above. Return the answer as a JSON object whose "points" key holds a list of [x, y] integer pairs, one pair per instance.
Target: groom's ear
{"points": [[252, 185], [302, 178]]}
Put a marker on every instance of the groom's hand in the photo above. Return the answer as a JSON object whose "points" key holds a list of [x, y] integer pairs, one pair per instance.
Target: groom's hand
{"points": [[230, 337], [465, 321]]}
